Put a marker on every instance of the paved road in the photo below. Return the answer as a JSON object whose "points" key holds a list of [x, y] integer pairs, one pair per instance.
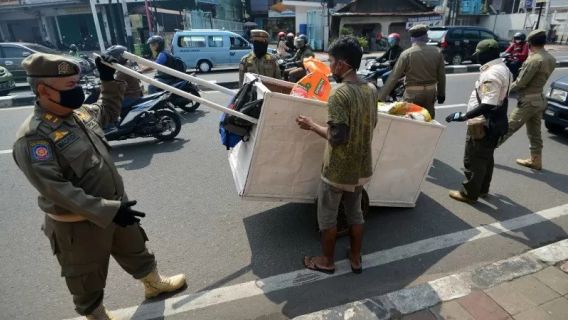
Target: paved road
{"points": [[197, 224]]}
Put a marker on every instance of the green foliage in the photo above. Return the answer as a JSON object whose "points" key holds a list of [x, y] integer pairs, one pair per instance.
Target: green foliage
{"points": [[363, 42], [346, 31]]}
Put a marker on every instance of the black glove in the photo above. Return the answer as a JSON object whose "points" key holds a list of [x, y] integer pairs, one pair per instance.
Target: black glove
{"points": [[126, 216], [106, 73], [441, 99], [456, 116]]}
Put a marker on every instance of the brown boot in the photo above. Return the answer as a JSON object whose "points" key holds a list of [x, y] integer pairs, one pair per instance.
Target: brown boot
{"points": [[459, 196], [155, 284], [535, 162], [100, 313]]}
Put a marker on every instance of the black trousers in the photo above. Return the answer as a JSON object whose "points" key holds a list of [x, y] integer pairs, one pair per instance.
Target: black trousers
{"points": [[478, 163]]}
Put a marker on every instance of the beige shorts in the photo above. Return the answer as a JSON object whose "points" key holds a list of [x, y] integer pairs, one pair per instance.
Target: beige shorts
{"points": [[329, 199]]}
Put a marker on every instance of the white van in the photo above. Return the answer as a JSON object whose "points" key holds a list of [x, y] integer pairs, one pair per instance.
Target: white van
{"points": [[205, 49]]}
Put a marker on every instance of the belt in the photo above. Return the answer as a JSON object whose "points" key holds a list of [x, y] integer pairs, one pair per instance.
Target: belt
{"points": [[69, 217], [425, 87], [532, 95]]}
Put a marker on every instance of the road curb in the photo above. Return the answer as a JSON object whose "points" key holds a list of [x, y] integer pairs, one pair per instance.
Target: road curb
{"points": [[18, 101], [409, 300]]}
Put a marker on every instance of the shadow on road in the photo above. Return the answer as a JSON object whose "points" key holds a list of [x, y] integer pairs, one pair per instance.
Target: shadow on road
{"points": [[191, 117], [444, 175], [558, 181], [138, 155]]}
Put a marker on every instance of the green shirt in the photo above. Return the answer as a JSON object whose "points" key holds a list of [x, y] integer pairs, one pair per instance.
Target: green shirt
{"points": [[354, 105]]}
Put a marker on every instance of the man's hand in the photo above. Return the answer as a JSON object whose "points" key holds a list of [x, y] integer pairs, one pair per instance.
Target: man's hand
{"points": [[441, 99], [126, 216], [305, 123], [106, 73], [456, 116]]}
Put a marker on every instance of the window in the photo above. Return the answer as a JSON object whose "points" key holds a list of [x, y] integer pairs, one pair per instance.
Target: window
{"points": [[436, 35], [455, 34], [191, 42], [13, 52], [216, 41], [472, 35], [239, 43], [486, 35]]}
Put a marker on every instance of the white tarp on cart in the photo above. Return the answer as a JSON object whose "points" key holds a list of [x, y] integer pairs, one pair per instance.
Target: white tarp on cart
{"points": [[280, 162]]}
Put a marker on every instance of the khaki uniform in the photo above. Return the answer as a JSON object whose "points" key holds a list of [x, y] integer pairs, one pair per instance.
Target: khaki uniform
{"points": [[265, 66], [424, 69], [492, 87], [531, 102], [69, 162]]}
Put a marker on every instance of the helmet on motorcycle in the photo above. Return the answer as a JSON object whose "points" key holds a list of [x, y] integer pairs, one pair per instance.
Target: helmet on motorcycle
{"points": [[290, 36], [116, 52], [281, 35], [520, 36], [301, 41], [73, 47], [394, 39], [395, 36], [159, 40]]}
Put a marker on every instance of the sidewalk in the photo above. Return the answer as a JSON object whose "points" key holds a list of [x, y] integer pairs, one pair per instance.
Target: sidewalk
{"points": [[531, 286]]}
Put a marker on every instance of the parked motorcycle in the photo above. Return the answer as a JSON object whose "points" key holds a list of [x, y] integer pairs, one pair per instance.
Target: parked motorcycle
{"points": [[181, 102], [150, 116]]}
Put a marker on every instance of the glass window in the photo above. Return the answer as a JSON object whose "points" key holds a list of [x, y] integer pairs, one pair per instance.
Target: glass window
{"points": [[216, 41], [192, 42], [471, 35], [436, 35], [13, 52], [486, 35], [455, 34], [43, 49], [239, 43]]}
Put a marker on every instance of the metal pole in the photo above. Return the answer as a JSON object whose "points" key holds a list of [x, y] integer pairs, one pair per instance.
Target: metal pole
{"points": [[177, 91], [127, 25], [106, 24], [540, 5], [546, 18], [177, 74], [97, 26], [148, 17]]}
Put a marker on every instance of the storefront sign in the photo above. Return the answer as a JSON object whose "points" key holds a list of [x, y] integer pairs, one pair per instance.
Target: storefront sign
{"points": [[470, 7], [283, 14], [431, 21]]}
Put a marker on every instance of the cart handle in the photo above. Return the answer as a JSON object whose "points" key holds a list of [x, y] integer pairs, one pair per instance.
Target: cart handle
{"points": [[177, 91], [177, 74]]}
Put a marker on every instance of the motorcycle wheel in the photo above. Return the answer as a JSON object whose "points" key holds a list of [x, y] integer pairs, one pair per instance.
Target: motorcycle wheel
{"points": [[192, 105], [170, 122]]}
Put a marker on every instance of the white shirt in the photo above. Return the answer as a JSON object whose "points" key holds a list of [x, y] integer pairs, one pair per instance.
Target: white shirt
{"points": [[493, 85]]}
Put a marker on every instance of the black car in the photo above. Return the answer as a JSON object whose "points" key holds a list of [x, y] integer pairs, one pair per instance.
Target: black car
{"points": [[458, 43], [556, 113]]}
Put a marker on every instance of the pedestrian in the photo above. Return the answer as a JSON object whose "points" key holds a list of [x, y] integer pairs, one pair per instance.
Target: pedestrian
{"points": [[347, 158], [487, 121], [424, 69], [259, 61], [529, 85], [62, 151]]}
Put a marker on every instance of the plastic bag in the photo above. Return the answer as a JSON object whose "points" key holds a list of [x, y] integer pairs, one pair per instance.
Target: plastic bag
{"points": [[406, 109], [313, 86], [314, 65]]}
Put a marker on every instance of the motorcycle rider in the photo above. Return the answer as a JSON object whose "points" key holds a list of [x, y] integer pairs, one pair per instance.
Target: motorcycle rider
{"points": [[389, 58], [134, 89], [517, 53], [158, 46], [294, 74], [73, 50], [281, 48], [290, 43]]}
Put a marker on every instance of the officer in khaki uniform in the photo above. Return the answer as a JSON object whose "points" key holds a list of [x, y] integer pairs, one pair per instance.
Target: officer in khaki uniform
{"points": [[487, 121], [529, 85], [425, 72], [62, 151], [259, 61]]}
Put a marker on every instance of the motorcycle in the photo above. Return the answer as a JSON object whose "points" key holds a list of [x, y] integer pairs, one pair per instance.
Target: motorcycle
{"points": [[513, 64], [284, 64], [181, 102], [150, 116], [91, 88], [373, 73]]}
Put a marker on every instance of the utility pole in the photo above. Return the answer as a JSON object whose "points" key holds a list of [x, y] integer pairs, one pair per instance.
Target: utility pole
{"points": [[97, 25], [540, 4], [127, 26]]}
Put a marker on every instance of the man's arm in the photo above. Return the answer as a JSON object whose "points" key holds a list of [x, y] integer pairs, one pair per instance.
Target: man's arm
{"points": [[524, 53], [108, 108], [242, 70], [510, 48], [35, 157], [441, 77], [528, 71], [397, 73]]}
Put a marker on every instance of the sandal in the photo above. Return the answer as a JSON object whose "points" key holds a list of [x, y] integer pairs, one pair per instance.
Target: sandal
{"points": [[309, 263], [355, 270]]}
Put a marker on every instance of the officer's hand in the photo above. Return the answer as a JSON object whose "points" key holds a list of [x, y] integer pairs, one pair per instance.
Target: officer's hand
{"points": [[456, 116], [441, 99], [106, 73], [126, 216]]}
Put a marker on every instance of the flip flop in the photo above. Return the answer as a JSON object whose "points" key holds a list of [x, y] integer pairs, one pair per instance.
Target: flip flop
{"points": [[355, 270], [315, 267]]}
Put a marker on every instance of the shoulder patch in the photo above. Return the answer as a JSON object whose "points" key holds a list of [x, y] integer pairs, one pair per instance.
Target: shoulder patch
{"points": [[53, 120], [40, 151]]}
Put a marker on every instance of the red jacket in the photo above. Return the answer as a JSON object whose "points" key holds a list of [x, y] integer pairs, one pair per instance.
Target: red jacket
{"points": [[519, 51]]}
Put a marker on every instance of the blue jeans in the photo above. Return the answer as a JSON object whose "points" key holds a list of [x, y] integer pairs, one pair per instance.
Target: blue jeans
{"points": [[385, 76]]}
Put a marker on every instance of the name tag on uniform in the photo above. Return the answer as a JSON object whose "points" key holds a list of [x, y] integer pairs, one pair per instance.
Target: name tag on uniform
{"points": [[64, 138]]}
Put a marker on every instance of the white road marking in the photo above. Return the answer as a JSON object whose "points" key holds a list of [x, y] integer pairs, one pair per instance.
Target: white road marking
{"points": [[449, 106], [199, 300], [7, 151]]}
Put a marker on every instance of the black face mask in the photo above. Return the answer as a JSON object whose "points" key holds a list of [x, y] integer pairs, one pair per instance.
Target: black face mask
{"points": [[72, 98], [260, 49]]}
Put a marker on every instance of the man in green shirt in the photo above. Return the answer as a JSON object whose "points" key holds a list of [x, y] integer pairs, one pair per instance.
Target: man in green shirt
{"points": [[348, 158]]}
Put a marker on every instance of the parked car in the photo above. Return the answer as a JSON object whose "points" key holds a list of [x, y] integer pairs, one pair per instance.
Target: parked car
{"points": [[13, 53], [6, 81], [458, 43], [208, 48], [556, 113]]}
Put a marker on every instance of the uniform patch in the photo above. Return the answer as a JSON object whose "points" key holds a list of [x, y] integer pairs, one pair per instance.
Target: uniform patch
{"points": [[66, 140], [51, 118], [59, 134], [84, 116], [40, 151], [65, 68]]}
